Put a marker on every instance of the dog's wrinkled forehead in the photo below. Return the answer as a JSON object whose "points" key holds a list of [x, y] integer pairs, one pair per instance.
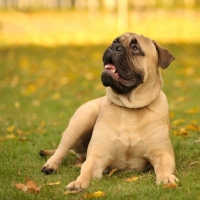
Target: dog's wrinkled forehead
{"points": [[128, 37]]}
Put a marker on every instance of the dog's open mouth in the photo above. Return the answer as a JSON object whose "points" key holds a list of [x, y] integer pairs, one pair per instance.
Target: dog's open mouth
{"points": [[111, 70]]}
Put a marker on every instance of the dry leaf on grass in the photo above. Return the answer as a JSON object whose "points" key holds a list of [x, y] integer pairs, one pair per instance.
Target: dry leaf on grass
{"points": [[192, 127], [10, 128], [50, 184], [193, 163], [30, 187], [112, 172], [181, 132], [170, 185], [132, 179], [72, 191], [178, 121], [96, 194], [193, 110]]}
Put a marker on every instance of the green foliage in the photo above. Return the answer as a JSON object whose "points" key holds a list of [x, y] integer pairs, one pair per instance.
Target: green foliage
{"points": [[41, 87]]}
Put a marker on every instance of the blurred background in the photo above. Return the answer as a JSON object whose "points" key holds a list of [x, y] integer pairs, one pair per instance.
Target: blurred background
{"points": [[55, 22]]}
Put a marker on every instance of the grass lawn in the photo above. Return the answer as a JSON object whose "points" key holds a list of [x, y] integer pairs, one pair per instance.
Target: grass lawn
{"points": [[41, 87]]}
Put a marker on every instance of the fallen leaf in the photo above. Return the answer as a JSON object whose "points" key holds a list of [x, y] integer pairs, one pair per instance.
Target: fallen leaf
{"points": [[96, 194], [112, 172], [170, 185], [181, 99], [132, 179], [50, 184], [193, 110], [193, 163], [10, 136], [181, 132], [30, 187], [178, 121], [17, 104], [23, 139], [36, 103], [21, 186], [72, 191], [19, 131], [10, 128], [56, 96], [193, 127]]}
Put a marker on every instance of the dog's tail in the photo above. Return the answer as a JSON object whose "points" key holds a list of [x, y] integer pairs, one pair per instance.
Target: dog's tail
{"points": [[46, 152]]}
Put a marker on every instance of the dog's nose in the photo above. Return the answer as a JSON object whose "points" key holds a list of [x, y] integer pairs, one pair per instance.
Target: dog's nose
{"points": [[116, 47]]}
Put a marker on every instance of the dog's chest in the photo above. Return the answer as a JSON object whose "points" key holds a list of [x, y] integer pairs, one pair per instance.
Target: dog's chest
{"points": [[124, 131]]}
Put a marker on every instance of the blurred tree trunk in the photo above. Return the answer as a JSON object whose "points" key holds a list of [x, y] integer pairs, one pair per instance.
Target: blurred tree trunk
{"points": [[73, 3]]}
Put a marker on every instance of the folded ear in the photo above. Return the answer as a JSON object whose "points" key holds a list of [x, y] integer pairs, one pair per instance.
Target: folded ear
{"points": [[164, 56]]}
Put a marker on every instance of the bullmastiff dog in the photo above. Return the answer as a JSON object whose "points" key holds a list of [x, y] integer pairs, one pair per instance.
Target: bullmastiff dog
{"points": [[128, 129]]}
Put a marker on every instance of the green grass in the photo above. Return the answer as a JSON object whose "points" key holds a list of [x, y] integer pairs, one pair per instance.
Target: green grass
{"points": [[41, 87]]}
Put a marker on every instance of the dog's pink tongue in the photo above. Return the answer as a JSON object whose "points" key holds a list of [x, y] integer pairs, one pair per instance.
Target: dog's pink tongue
{"points": [[109, 67]]}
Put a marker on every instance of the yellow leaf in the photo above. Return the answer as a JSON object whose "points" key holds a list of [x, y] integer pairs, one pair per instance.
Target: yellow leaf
{"points": [[72, 191], [178, 121], [19, 131], [181, 99], [17, 104], [193, 127], [112, 172], [30, 89], [181, 132], [96, 194], [10, 136], [171, 114], [170, 185], [10, 128], [193, 110], [56, 96], [195, 121], [132, 179], [189, 71], [36, 102], [55, 183]]}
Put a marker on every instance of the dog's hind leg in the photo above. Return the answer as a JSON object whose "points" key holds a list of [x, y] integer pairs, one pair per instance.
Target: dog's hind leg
{"points": [[77, 135], [46, 152]]}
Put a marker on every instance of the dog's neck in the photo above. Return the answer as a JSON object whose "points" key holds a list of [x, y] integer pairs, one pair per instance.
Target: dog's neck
{"points": [[141, 96]]}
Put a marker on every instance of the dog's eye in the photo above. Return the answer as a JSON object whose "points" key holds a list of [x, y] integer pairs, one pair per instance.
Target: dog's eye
{"points": [[135, 48]]}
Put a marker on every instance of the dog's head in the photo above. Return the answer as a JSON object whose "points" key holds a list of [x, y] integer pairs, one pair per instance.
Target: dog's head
{"points": [[130, 59]]}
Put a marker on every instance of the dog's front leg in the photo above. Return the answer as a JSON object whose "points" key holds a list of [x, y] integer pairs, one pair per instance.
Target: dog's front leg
{"points": [[79, 131], [92, 167], [164, 166]]}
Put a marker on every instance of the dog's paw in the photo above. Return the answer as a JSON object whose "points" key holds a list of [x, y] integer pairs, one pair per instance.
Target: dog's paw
{"points": [[49, 168], [170, 179], [77, 185]]}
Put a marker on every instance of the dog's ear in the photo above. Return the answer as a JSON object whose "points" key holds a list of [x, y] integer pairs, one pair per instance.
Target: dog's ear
{"points": [[164, 56]]}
